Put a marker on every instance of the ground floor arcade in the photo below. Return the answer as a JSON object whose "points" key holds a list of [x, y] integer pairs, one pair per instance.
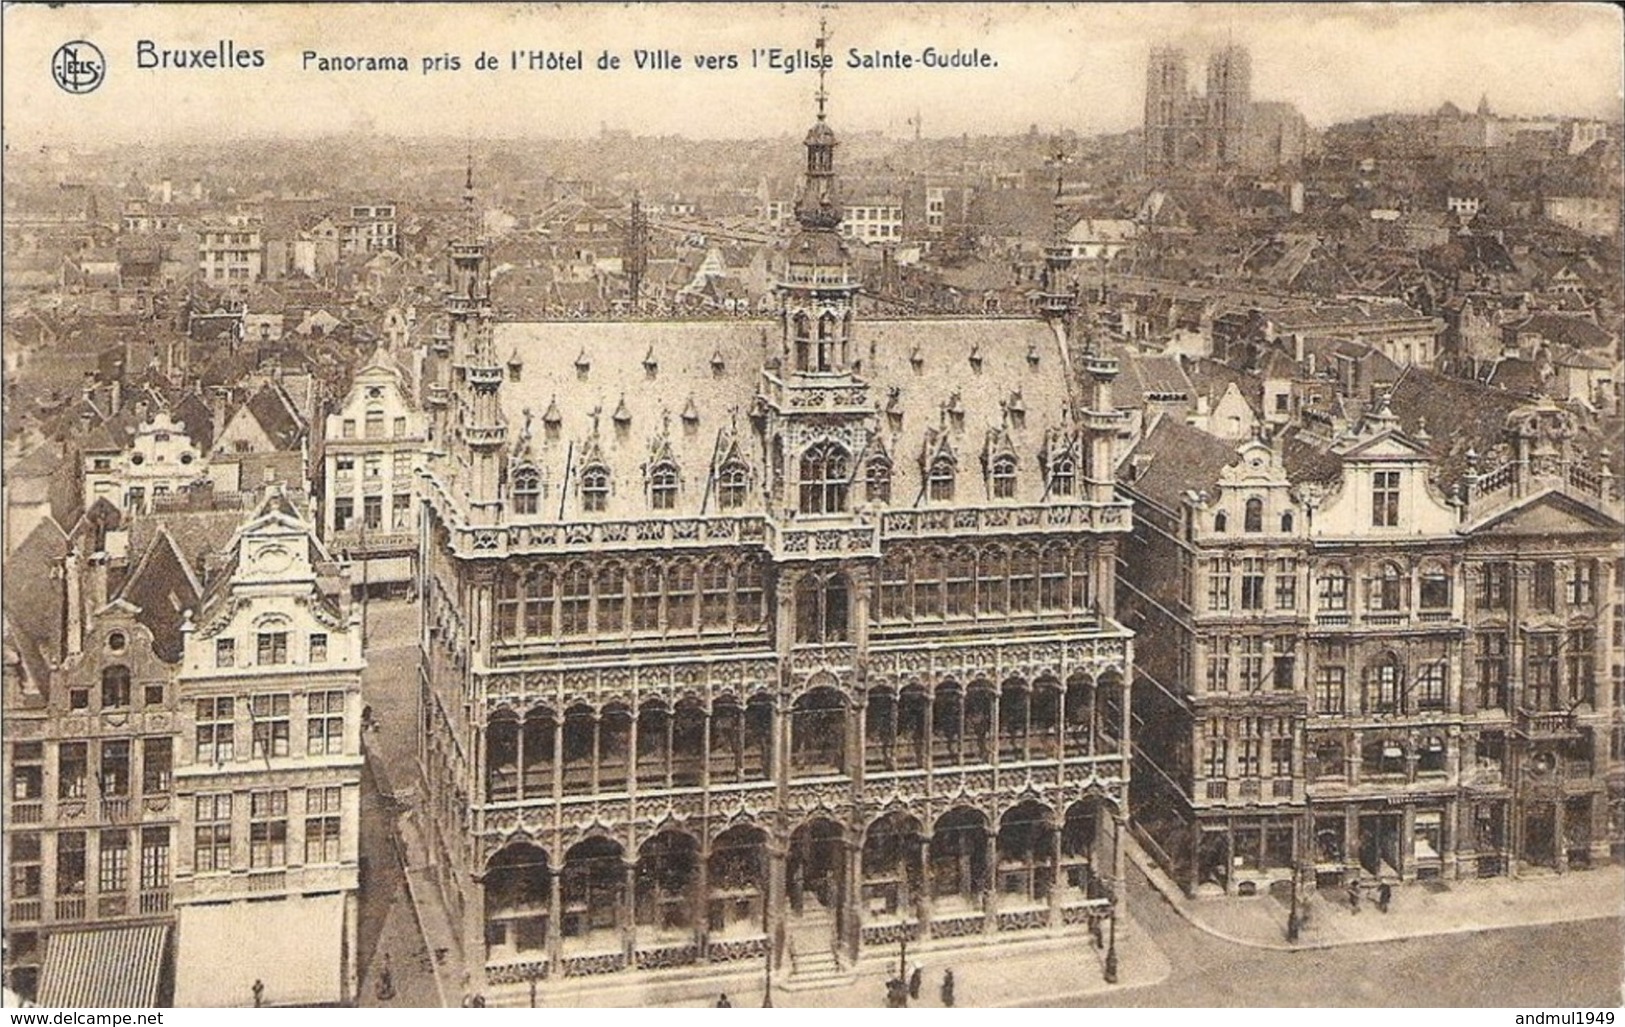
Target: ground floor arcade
{"points": [[726, 892]]}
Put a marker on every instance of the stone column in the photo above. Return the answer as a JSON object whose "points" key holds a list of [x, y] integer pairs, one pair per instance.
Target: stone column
{"points": [[629, 916], [990, 897], [854, 897], [555, 917]]}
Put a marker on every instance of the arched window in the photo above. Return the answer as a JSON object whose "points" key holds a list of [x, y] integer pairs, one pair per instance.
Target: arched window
{"points": [[822, 608], [595, 488], [1221, 523], [1004, 477], [527, 491], [827, 358], [877, 480], [1334, 588], [1286, 521], [825, 472], [1063, 476], [940, 480], [663, 486], [1387, 589], [733, 484], [1253, 516], [803, 343]]}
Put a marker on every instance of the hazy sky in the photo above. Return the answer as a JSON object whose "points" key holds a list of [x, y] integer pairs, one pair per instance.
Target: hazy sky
{"points": [[1059, 65]]}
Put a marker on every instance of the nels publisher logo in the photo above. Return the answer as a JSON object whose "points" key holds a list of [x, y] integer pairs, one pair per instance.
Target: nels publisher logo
{"points": [[78, 67]]}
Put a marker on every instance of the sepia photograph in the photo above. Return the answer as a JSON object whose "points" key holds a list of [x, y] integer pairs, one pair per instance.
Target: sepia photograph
{"points": [[813, 505]]}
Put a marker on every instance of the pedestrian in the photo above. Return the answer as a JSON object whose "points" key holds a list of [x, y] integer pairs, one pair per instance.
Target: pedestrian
{"points": [[386, 981], [259, 992], [916, 977], [948, 988], [722, 1001], [897, 993], [1385, 895], [1354, 895]]}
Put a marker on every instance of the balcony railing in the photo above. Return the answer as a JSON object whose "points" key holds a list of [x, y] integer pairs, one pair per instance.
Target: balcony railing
{"points": [[153, 902], [268, 881], [1551, 724], [27, 812], [1218, 789], [116, 809], [71, 908], [1281, 788], [25, 911]]}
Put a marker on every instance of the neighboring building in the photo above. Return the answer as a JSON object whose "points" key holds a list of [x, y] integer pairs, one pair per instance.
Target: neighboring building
{"points": [[1222, 128], [160, 459], [89, 779], [768, 637], [370, 228], [230, 251], [876, 219], [371, 455], [1357, 675], [269, 777], [1596, 216]]}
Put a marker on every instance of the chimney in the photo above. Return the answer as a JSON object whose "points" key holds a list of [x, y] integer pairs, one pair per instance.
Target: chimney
{"points": [[73, 638]]}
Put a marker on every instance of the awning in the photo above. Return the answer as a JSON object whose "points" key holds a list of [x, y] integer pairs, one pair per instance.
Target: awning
{"points": [[294, 946], [111, 967]]}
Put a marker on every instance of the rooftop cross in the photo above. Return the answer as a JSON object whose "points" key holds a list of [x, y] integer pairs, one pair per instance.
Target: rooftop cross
{"points": [[823, 65]]}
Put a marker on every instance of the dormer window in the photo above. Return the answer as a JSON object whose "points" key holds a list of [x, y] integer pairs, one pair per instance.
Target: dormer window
{"points": [[1004, 477], [733, 485], [1385, 499], [940, 480], [527, 491], [877, 480], [1063, 477], [595, 489], [663, 486]]}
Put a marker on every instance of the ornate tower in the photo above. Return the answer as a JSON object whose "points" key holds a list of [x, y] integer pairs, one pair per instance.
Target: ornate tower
{"points": [[817, 287], [1166, 94], [1229, 100], [478, 429]]}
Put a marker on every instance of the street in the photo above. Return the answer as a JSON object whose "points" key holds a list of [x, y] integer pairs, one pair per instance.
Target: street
{"points": [[1569, 965]]}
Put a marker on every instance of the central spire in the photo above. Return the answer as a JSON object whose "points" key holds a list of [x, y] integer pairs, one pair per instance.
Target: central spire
{"points": [[819, 209]]}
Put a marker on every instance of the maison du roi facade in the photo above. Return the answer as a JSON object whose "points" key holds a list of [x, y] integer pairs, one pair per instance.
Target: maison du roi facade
{"points": [[1362, 674], [772, 640]]}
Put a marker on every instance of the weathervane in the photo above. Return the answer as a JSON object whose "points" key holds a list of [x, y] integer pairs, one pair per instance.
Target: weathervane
{"points": [[823, 64]]}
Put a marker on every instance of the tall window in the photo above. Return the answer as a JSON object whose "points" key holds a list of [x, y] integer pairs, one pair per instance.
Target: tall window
{"points": [[895, 588], [1218, 664], [1004, 477], [113, 861], [1386, 589], [1382, 685], [372, 512], [1493, 658], [940, 479], [72, 766], [114, 778], [1252, 663], [1494, 585], [595, 489], [1286, 583], [575, 600], [324, 723], [527, 491], [748, 593], [714, 591], [821, 608], [323, 815], [318, 647], [214, 730], [1252, 583], [268, 829], [680, 596], [733, 484], [154, 858], [1385, 499], [1583, 583], [611, 599], [960, 576], [663, 486], [1218, 583], [1543, 586], [1334, 589], [1281, 749], [1216, 751], [270, 716], [1285, 664], [646, 591], [70, 863], [877, 480], [1250, 751], [1329, 689], [1435, 588], [212, 848], [825, 473], [343, 512], [1540, 670], [1580, 667], [1252, 518], [115, 687]]}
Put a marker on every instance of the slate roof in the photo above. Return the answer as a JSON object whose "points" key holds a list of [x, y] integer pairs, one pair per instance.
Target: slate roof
{"points": [[33, 594], [640, 418], [1461, 414], [1568, 331], [164, 586], [1174, 458], [273, 410]]}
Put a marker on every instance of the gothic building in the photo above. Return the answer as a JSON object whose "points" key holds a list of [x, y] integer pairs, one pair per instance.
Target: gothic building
{"points": [[783, 639], [1220, 128]]}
